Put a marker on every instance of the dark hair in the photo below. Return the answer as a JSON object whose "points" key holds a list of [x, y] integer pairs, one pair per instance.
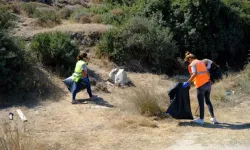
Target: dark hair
{"points": [[81, 56]]}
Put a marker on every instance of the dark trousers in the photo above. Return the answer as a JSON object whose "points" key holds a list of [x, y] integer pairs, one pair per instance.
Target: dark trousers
{"points": [[75, 88], [203, 92]]}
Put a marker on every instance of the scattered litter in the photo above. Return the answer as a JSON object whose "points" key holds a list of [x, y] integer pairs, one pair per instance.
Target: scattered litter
{"points": [[20, 113], [11, 115], [228, 93]]}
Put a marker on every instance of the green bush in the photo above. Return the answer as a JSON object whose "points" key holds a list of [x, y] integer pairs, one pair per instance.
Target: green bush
{"points": [[11, 53], [47, 17], [30, 7], [55, 49], [120, 2], [143, 40]]}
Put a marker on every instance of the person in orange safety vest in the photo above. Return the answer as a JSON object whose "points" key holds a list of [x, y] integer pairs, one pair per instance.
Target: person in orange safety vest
{"points": [[201, 79]]}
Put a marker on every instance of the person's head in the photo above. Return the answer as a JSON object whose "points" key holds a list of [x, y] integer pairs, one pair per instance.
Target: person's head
{"points": [[83, 56], [189, 57]]}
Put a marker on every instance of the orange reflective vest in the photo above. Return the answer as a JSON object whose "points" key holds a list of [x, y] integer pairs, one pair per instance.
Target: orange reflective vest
{"points": [[202, 73]]}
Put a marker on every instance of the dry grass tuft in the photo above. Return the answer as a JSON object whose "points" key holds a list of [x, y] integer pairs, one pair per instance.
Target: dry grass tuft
{"points": [[96, 18], [232, 83], [85, 19], [13, 139], [146, 102]]}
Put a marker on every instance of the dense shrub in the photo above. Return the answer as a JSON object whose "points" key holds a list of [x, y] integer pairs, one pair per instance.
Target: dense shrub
{"points": [[143, 40], [217, 29], [56, 50], [11, 53]]}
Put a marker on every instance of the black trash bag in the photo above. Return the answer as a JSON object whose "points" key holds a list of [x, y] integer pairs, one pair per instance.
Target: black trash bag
{"points": [[179, 102], [69, 83]]}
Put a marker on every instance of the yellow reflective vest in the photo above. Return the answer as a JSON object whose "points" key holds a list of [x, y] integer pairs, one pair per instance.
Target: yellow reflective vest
{"points": [[78, 71]]}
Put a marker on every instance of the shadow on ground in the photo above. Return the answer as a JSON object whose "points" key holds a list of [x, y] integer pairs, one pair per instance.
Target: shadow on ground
{"points": [[232, 126], [39, 85], [98, 101]]}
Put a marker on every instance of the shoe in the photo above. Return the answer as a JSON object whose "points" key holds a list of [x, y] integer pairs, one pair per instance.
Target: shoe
{"points": [[213, 120], [93, 98], [74, 102], [198, 121]]}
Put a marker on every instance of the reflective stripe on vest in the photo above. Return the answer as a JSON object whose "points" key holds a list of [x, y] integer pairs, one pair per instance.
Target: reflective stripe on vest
{"points": [[202, 73], [78, 71]]}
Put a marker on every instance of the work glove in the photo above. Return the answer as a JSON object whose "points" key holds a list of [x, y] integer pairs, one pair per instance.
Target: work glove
{"points": [[185, 84], [86, 80]]}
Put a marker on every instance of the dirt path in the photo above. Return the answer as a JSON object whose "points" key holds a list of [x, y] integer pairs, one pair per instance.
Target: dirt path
{"points": [[26, 28]]}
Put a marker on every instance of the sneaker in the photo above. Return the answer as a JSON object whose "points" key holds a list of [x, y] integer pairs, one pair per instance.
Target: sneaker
{"points": [[213, 120], [74, 102], [198, 121], [93, 98]]}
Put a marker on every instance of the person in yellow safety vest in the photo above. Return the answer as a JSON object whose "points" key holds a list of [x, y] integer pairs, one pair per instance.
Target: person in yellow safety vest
{"points": [[81, 74], [200, 78]]}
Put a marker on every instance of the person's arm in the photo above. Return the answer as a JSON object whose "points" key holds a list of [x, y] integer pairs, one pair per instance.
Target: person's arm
{"points": [[209, 64], [84, 74], [192, 77], [84, 71]]}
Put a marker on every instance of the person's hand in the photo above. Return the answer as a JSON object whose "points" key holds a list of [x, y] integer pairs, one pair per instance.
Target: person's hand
{"points": [[185, 84], [86, 80]]}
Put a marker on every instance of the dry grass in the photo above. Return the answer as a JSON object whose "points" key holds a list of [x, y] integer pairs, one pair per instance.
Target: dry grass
{"points": [[133, 121], [13, 139], [117, 11], [239, 83], [146, 102], [96, 18], [84, 19]]}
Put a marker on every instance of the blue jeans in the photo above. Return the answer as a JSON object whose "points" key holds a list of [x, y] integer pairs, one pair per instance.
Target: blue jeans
{"points": [[76, 86], [203, 92]]}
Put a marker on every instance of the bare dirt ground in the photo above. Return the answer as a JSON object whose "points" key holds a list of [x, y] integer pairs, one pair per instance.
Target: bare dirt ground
{"points": [[108, 123]]}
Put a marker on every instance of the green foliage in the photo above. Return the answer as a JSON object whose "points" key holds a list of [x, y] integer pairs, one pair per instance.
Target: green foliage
{"points": [[143, 40], [120, 2], [56, 50], [7, 20], [11, 54], [30, 7], [207, 28]]}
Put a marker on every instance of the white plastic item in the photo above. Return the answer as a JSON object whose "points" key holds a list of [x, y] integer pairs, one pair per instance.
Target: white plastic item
{"points": [[112, 74], [121, 77]]}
